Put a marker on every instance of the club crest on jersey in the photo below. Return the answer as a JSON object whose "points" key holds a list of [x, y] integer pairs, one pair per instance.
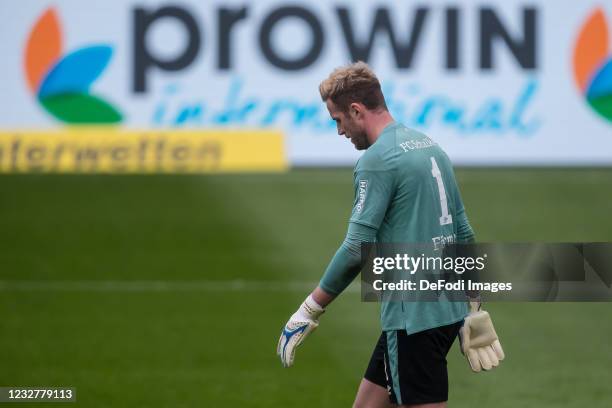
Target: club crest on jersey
{"points": [[363, 187]]}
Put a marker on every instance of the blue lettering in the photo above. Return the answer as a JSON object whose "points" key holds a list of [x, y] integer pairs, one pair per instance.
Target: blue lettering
{"points": [[516, 119], [495, 116]]}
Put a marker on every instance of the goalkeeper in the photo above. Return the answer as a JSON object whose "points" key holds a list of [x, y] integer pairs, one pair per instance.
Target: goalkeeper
{"points": [[405, 192]]}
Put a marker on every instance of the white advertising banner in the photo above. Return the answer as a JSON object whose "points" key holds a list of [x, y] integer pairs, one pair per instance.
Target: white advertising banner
{"points": [[494, 82]]}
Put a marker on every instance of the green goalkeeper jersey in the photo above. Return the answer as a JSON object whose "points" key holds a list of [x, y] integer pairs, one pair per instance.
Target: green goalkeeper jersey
{"points": [[405, 190]]}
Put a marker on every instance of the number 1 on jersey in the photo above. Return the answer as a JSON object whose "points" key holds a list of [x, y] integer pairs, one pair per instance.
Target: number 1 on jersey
{"points": [[446, 218]]}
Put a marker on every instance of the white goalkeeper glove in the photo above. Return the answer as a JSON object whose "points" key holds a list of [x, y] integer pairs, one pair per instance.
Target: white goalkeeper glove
{"points": [[300, 325], [479, 342]]}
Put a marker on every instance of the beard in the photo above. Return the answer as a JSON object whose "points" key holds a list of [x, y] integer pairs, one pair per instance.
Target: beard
{"points": [[359, 139]]}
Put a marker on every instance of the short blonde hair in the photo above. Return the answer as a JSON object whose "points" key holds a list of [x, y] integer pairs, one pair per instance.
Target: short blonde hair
{"points": [[353, 83]]}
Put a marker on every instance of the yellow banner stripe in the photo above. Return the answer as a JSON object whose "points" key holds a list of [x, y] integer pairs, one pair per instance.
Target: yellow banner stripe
{"points": [[104, 150]]}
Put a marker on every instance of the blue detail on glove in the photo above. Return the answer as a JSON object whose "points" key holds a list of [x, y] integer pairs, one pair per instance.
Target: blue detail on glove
{"points": [[290, 333]]}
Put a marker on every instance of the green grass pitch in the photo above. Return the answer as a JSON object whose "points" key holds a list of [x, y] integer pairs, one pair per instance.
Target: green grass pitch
{"points": [[197, 275]]}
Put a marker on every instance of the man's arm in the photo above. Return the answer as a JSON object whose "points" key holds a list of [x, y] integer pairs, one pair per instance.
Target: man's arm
{"points": [[465, 233], [341, 271], [374, 187], [322, 297], [347, 262], [478, 340]]}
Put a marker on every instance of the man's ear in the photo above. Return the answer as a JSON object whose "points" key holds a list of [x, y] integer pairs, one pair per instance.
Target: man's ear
{"points": [[356, 110]]}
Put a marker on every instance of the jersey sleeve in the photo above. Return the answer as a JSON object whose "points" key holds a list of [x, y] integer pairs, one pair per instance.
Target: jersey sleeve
{"points": [[465, 233], [347, 262], [374, 188]]}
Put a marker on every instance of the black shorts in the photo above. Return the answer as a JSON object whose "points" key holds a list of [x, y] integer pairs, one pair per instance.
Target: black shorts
{"points": [[413, 367]]}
